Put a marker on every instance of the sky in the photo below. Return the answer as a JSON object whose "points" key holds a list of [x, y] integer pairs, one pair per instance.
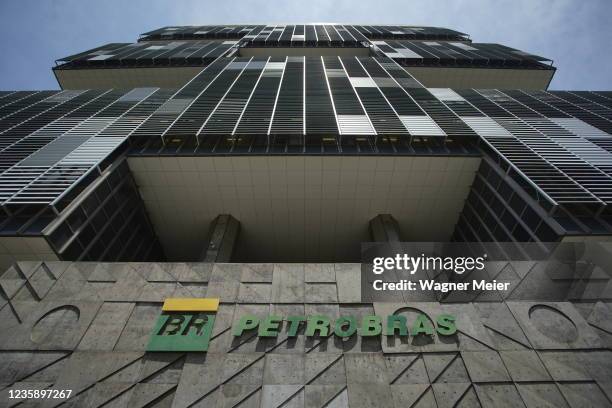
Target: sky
{"points": [[575, 34]]}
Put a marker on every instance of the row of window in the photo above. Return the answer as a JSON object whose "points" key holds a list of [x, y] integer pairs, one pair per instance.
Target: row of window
{"points": [[110, 224], [496, 211]]}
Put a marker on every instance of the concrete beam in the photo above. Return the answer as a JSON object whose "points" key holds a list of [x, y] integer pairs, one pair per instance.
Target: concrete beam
{"points": [[384, 228], [222, 237]]}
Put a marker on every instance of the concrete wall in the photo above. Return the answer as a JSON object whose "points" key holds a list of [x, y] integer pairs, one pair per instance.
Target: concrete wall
{"points": [[14, 249], [125, 78], [176, 77], [482, 78], [84, 326]]}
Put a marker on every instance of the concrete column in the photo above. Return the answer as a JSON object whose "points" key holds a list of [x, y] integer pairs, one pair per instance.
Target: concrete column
{"points": [[222, 238], [384, 228]]}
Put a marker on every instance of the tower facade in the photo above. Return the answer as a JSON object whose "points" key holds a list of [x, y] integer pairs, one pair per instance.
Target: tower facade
{"points": [[303, 133], [216, 183]]}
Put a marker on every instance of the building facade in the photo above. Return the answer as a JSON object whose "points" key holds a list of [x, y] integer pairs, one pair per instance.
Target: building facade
{"points": [[246, 165]]}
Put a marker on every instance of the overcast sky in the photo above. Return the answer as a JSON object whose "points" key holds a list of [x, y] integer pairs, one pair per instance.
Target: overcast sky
{"points": [[576, 34]]}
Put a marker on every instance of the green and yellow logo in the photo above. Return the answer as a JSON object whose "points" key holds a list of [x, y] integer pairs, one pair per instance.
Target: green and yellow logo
{"points": [[186, 324]]}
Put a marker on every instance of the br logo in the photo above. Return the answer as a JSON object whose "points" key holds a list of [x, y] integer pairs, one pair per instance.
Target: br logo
{"points": [[186, 324]]}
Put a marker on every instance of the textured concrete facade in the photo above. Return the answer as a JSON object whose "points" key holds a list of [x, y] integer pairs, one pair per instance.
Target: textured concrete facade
{"points": [[85, 326]]}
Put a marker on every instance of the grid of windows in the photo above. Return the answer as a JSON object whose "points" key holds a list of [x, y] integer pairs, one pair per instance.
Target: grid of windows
{"points": [[108, 223], [549, 146], [175, 53], [201, 53], [548, 154], [302, 33], [498, 209], [555, 144], [63, 140], [459, 54]]}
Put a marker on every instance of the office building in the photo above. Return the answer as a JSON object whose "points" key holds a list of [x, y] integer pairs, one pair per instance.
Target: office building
{"points": [[247, 164]]}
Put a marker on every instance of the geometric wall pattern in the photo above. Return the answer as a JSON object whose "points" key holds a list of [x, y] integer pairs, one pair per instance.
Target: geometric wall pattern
{"points": [[84, 326]]}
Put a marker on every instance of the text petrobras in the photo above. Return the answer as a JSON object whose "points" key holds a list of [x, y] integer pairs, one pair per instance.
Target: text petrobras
{"points": [[405, 262], [346, 326]]}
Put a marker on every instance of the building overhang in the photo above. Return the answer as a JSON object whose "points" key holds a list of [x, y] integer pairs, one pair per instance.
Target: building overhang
{"points": [[300, 208], [125, 78], [176, 77], [482, 78]]}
